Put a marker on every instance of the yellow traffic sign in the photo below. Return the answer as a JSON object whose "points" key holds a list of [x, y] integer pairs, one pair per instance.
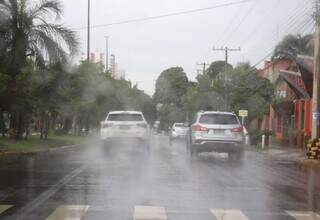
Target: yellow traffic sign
{"points": [[243, 113]]}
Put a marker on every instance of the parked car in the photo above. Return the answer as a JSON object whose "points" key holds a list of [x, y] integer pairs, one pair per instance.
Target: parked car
{"points": [[178, 130], [124, 125], [216, 131]]}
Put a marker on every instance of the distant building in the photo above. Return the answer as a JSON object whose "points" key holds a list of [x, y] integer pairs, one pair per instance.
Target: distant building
{"points": [[114, 69], [94, 57], [112, 65]]}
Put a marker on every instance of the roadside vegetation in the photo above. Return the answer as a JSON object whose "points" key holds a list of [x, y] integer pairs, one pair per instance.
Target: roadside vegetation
{"points": [[180, 98], [40, 91], [34, 143]]}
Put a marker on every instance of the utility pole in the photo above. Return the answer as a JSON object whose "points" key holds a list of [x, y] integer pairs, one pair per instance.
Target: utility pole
{"points": [[88, 37], [204, 67], [107, 53], [226, 50], [316, 77]]}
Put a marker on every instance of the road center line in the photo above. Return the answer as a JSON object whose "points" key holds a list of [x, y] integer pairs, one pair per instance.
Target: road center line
{"points": [[228, 214], [4, 208], [74, 212], [299, 215], [149, 213], [30, 207]]}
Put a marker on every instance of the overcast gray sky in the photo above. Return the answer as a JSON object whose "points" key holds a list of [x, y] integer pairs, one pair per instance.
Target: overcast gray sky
{"points": [[146, 48]]}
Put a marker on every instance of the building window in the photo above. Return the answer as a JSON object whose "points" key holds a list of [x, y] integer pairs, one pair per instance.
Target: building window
{"points": [[281, 94]]}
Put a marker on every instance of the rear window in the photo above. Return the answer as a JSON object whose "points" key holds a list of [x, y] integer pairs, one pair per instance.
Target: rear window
{"points": [[125, 117], [220, 119]]}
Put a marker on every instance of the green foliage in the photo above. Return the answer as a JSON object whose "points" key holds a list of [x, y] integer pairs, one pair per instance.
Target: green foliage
{"points": [[249, 91], [171, 85], [168, 114], [292, 45], [218, 67], [26, 35]]}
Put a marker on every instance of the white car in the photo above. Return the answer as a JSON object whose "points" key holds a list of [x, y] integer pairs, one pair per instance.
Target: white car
{"points": [[178, 130], [216, 131], [125, 124]]}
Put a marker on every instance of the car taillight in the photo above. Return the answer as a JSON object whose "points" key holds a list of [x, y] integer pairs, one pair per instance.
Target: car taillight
{"points": [[237, 130], [199, 128], [142, 125]]}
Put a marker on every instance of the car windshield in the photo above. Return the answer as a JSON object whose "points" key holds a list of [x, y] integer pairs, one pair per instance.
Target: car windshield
{"points": [[220, 119], [125, 117], [160, 109]]}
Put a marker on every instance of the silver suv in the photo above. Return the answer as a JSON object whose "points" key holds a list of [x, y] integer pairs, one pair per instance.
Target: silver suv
{"points": [[216, 131]]}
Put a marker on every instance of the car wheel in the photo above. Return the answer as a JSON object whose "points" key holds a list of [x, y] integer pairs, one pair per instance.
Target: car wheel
{"points": [[170, 140], [193, 152], [236, 156], [188, 143], [147, 145]]}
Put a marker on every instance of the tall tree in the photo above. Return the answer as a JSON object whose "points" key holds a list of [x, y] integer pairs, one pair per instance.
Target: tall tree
{"points": [[218, 67], [292, 45], [249, 91], [25, 33], [171, 85]]}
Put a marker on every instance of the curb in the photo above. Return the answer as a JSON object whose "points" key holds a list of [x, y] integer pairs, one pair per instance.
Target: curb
{"points": [[31, 153], [309, 163]]}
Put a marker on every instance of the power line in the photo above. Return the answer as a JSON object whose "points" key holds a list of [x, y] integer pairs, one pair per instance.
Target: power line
{"points": [[257, 27], [228, 26], [239, 25], [167, 15], [296, 12], [291, 21], [271, 50]]}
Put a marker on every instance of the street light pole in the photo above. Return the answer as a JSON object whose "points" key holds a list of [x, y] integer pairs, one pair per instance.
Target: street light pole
{"points": [[107, 53], [88, 36]]}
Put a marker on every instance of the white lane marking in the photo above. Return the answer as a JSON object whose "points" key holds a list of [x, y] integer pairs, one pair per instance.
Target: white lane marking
{"points": [[228, 214], [304, 215], [69, 212], [149, 213], [4, 208], [43, 197]]}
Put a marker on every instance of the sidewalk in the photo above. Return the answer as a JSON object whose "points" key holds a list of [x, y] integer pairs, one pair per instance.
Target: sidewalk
{"points": [[297, 155]]}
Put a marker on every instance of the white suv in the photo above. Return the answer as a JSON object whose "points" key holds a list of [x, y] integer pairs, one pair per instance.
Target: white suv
{"points": [[216, 131], [125, 124]]}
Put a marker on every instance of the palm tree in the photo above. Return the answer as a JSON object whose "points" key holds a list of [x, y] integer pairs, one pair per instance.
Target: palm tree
{"points": [[26, 34], [292, 45]]}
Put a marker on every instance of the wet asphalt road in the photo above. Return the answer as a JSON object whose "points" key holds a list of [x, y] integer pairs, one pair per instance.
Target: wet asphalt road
{"points": [[113, 181]]}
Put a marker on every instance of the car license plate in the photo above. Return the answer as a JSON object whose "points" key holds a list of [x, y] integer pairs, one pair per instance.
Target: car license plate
{"points": [[218, 131], [124, 127]]}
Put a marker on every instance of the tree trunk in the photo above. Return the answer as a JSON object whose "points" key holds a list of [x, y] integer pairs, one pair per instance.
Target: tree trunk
{"points": [[87, 127], [47, 125], [41, 125], [19, 125], [27, 126]]}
